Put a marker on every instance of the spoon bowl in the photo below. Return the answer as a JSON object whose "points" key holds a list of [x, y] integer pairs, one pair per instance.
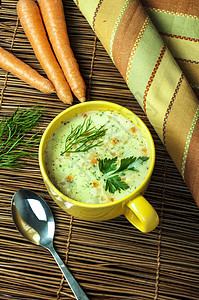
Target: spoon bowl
{"points": [[33, 217], [34, 220]]}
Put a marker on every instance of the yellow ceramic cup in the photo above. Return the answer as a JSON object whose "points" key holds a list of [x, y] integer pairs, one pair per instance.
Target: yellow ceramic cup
{"points": [[134, 206]]}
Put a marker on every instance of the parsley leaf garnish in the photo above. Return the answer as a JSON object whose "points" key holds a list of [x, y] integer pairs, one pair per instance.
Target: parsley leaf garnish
{"points": [[109, 167], [114, 183], [132, 162], [126, 163]]}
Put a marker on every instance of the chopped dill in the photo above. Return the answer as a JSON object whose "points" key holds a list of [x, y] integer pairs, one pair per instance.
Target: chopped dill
{"points": [[13, 130]]}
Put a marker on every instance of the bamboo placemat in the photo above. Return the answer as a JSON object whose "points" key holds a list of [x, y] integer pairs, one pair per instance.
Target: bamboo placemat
{"points": [[110, 260]]}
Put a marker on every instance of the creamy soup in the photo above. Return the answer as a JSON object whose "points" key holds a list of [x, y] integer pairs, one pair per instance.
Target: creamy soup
{"points": [[97, 157]]}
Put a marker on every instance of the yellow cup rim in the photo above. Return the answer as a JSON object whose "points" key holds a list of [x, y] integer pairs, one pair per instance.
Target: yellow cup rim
{"points": [[112, 106]]}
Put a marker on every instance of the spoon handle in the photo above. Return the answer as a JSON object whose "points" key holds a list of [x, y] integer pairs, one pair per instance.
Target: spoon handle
{"points": [[75, 287]]}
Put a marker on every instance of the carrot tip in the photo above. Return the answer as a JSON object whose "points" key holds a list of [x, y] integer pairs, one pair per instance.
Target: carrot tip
{"points": [[82, 99], [68, 101], [50, 90]]}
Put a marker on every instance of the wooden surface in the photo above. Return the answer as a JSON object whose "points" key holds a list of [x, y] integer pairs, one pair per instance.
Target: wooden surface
{"points": [[110, 260]]}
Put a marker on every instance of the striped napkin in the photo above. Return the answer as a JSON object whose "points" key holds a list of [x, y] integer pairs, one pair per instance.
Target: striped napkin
{"points": [[177, 22], [142, 40]]}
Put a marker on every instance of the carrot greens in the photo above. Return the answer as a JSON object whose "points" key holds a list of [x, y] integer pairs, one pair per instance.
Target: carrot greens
{"points": [[13, 131]]}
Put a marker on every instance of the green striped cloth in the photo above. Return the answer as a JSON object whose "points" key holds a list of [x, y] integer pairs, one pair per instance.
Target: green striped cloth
{"points": [[139, 49], [177, 23]]}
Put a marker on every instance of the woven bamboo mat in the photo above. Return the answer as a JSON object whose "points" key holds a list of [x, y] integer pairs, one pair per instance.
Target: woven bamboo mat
{"points": [[110, 260]]}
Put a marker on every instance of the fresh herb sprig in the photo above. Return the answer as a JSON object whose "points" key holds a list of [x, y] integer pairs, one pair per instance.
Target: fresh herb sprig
{"points": [[114, 183], [109, 167], [84, 137], [13, 130]]}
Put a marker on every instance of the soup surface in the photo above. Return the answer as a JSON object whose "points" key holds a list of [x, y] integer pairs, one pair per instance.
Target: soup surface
{"points": [[97, 157]]}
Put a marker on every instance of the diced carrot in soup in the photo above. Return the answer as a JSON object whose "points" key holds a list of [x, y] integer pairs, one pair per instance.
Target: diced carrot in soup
{"points": [[133, 129], [69, 178]]}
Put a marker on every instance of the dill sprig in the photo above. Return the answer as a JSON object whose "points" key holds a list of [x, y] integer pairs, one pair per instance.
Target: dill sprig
{"points": [[13, 130], [84, 137]]}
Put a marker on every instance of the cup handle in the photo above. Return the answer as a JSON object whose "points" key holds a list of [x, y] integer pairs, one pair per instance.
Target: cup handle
{"points": [[141, 214]]}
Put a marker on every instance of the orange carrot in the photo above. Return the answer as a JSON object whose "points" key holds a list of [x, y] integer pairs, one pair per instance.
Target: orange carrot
{"points": [[69, 178], [17, 67], [31, 22], [94, 161], [144, 150], [133, 129], [115, 140], [54, 19]]}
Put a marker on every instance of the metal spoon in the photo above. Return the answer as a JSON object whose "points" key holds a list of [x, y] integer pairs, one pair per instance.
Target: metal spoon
{"points": [[34, 220]]}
